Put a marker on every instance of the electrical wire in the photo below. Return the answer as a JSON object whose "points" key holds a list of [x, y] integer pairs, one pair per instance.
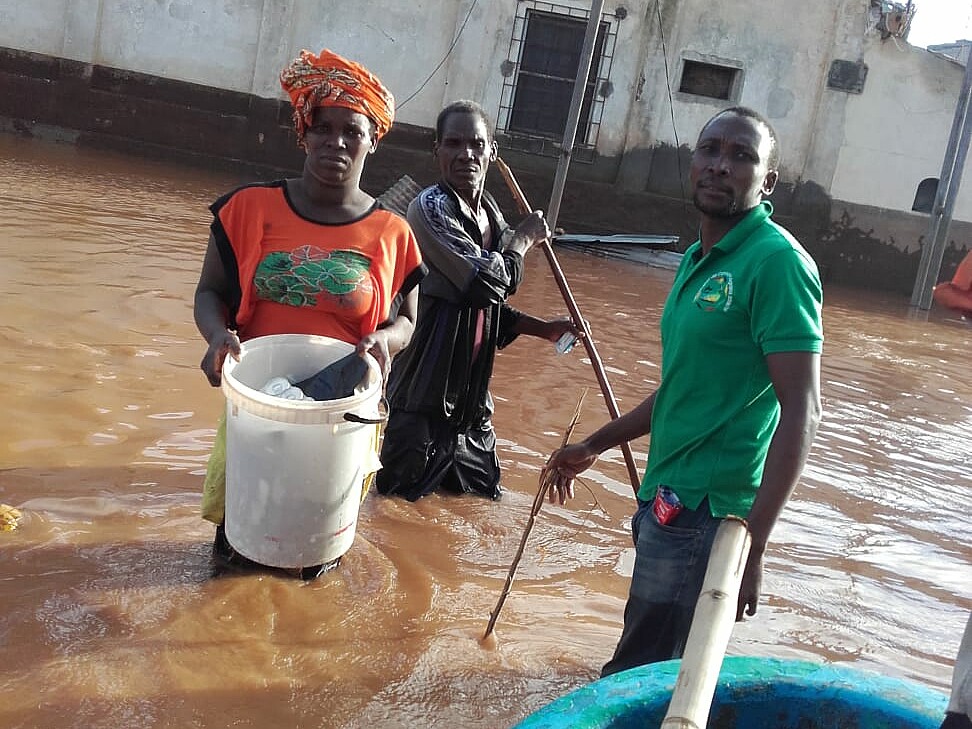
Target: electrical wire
{"points": [[444, 58], [671, 102]]}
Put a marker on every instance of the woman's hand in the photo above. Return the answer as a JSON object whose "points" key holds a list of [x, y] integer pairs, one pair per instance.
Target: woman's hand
{"points": [[224, 343], [384, 343], [377, 345]]}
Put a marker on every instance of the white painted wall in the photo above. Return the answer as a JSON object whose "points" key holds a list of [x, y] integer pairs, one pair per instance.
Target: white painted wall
{"points": [[785, 54], [895, 133], [205, 41], [473, 69], [242, 45], [475, 65], [871, 149], [39, 25]]}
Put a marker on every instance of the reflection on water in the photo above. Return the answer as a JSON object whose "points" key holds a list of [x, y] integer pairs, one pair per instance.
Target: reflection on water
{"points": [[111, 615]]}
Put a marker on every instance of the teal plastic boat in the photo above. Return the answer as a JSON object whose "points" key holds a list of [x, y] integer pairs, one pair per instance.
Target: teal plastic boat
{"points": [[752, 693]]}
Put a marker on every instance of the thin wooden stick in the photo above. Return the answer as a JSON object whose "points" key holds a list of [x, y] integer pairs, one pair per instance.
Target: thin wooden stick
{"points": [[577, 318], [534, 510]]}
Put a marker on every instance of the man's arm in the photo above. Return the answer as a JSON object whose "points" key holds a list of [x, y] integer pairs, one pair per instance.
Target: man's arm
{"points": [[959, 709], [569, 461], [460, 270], [549, 329], [796, 381]]}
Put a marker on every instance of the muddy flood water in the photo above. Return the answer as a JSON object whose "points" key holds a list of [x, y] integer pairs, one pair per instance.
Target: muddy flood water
{"points": [[111, 615]]}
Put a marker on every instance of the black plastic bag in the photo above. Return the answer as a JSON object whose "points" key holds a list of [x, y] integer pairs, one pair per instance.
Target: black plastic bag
{"points": [[337, 380]]}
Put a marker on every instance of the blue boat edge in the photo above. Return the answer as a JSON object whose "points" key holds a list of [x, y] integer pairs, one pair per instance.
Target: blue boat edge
{"points": [[749, 689]]}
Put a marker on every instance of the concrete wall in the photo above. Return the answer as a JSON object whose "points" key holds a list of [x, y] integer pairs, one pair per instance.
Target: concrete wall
{"points": [[895, 133], [959, 50], [206, 42], [239, 45], [783, 69], [485, 58], [200, 78]]}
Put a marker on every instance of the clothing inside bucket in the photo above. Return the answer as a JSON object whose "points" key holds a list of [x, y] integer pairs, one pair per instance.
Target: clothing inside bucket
{"points": [[338, 380]]}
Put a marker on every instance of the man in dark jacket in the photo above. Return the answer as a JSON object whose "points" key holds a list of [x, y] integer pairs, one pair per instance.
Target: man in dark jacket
{"points": [[439, 429]]}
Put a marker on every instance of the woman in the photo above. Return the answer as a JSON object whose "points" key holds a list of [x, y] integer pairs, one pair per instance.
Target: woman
{"points": [[313, 254]]}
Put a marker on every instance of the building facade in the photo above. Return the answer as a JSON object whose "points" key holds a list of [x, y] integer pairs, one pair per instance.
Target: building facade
{"points": [[862, 116]]}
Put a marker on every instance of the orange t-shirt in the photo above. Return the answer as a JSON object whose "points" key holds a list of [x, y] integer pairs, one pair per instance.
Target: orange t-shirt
{"points": [[298, 276]]}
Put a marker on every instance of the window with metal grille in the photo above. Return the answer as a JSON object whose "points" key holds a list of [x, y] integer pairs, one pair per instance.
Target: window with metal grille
{"points": [[546, 50], [708, 79], [548, 68]]}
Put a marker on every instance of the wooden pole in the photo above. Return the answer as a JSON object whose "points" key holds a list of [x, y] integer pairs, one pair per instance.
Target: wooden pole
{"points": [[715, 614], [577, 318]]}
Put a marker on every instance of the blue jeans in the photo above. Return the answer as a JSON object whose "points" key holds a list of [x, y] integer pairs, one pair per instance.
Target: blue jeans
{"points": [[670, 564]]}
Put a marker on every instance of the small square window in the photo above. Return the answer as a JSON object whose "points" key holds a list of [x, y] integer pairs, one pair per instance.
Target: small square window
{"points": [[847, 76], [708, 79]]}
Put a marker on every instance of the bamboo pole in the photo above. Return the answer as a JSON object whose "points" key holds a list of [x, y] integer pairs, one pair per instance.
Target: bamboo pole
{"points": [[577, 318], [715, 614]]}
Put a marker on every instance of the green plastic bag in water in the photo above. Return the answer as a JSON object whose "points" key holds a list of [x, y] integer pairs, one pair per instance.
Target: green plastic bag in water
{"points": [[214, 487]]}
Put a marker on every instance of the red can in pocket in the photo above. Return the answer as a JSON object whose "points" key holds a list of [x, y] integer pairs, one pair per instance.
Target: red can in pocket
{"points": [[666, 505]]}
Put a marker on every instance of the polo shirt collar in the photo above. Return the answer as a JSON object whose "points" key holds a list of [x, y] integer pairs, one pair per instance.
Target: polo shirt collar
{"points": [[741, 230]]}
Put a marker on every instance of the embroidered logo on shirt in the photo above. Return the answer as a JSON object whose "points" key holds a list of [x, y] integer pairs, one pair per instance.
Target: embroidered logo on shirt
{"points": [[298, 277], [716, 293]]}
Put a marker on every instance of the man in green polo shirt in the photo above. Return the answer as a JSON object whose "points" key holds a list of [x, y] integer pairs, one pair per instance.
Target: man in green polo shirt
{"points": [[739, 401]]}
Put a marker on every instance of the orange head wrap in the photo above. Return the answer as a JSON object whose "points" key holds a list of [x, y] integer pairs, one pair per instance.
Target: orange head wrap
{"points": [[330, 80]]}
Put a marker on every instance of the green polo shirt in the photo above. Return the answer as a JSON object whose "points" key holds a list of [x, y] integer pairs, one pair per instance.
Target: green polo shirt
{"points": [[757, 292]]}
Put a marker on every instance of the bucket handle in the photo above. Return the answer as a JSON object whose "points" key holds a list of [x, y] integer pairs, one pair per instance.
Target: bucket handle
{"points": [[382, 416]]}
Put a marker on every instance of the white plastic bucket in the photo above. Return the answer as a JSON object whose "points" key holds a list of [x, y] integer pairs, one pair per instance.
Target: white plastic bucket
{"points": [[295, 468]]}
